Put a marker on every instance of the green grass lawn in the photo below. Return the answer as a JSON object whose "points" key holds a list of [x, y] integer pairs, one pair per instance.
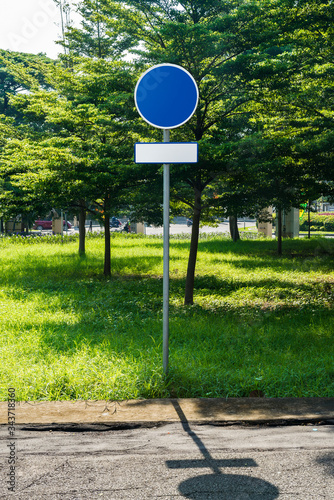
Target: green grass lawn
{"points": [[259, 322]]}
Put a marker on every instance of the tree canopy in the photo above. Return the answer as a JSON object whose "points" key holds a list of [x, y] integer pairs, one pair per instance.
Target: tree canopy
{"points": [[264, 121]]}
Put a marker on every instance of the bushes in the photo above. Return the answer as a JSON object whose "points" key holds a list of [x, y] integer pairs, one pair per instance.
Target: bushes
{"points": [[318, 222], [30, 239]]}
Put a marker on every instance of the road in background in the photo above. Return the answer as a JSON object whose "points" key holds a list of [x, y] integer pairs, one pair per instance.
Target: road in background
{"points": [[179, 226], [183, 228]]}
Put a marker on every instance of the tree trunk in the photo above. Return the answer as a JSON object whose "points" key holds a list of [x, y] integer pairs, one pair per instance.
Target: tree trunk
{"points": [[107, 253], [82, 230], [5, 102], [234, 228], [279, 231], [190, 279], [309, 218]]}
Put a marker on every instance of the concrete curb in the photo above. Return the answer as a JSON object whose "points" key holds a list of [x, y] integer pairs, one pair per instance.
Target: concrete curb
{"points": [[149, 411]]}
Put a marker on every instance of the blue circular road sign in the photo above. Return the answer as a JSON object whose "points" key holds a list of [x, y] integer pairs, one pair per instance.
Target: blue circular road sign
{"points": [[166, 96]]}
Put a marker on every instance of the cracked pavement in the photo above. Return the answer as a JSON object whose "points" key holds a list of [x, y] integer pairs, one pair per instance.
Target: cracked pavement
{"points": [[176, 460]]}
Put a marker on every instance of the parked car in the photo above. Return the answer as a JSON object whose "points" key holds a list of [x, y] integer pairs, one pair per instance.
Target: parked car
{"points": [[47, 224]]}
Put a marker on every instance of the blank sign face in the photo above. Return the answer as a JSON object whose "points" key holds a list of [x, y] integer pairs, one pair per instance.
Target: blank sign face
{"points": [[166, 96], [166, 152]]}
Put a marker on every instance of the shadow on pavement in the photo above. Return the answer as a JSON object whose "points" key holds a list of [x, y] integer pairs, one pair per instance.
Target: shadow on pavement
{"points": [[327, 461], [292, 410], [219, 485]]}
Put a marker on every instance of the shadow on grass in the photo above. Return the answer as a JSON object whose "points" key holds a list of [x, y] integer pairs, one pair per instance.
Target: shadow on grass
{"points": [[73, 266], [121, 317], [271, 292], [301, 263], [122, 320], [138, 294], [262, 248], [131, 289]]}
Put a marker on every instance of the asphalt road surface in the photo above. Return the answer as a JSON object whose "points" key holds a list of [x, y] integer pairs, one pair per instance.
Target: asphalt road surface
{"points": [[171, 461], [181, 228]]}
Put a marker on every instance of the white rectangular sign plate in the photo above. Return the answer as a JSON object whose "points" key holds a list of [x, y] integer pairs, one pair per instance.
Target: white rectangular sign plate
{"points": [[166, 152]]}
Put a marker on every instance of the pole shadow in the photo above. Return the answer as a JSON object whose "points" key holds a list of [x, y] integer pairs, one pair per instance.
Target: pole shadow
{"points": [[218, 485]]}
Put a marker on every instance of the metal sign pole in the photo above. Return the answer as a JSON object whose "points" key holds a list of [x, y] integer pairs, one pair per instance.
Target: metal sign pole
{"points": [[166, 262], [166, 97]]}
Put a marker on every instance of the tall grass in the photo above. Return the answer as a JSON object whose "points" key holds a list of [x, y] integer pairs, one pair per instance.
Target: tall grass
{"points": [[259, 322]]}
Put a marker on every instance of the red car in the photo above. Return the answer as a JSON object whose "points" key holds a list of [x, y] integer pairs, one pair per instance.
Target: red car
{"points": [[47, 224]]}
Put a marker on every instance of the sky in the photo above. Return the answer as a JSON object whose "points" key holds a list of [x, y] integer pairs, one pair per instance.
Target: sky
{"points": [[30, 26]]}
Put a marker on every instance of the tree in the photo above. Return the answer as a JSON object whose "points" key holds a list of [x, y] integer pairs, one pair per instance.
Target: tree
{"points": [[299, 110], [80, 138], [224, 45], [19, 73], [92, 39], [301, 102]]}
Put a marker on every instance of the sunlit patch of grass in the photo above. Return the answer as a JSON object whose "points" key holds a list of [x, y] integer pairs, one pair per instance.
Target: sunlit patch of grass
{"points": [[259, 322]]}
